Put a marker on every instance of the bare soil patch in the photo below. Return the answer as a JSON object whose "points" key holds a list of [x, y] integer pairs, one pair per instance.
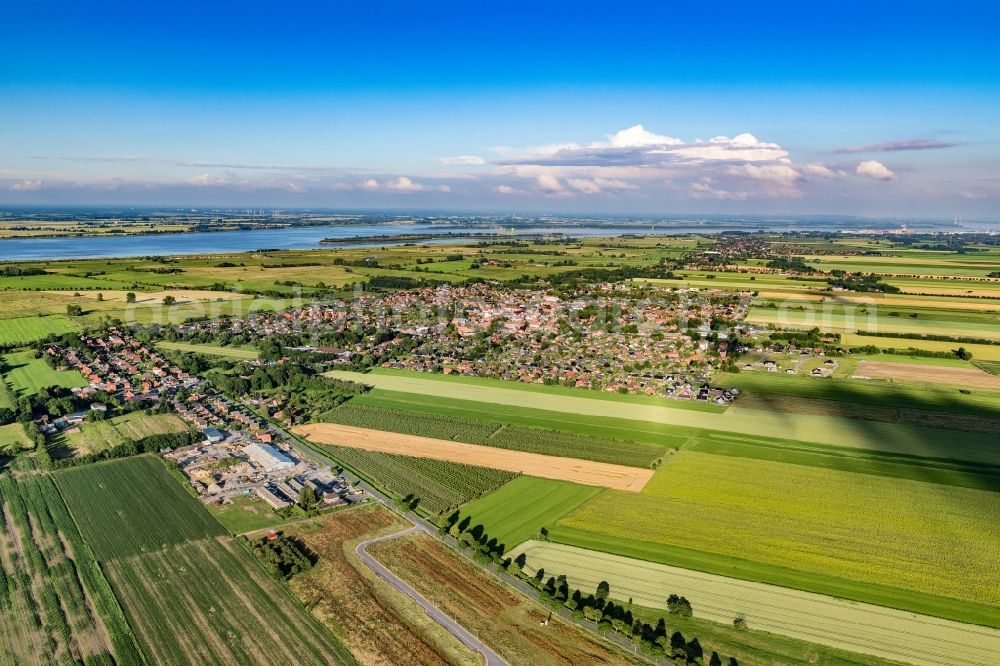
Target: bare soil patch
{"points": [[585, 472], [968, 377]]}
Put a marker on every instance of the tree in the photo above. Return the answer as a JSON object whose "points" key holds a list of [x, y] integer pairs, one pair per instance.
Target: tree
{"points": [[130, 297], [603, 589], [740, 622], [308, 497], [100, 296], [963, 354], [169, 300], [74, 310]]}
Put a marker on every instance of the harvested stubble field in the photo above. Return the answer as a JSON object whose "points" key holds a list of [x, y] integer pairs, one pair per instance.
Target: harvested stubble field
{"points": [[438, 485], [964, 377], [57, 606], [509, 623], [864, 535], [550, 467], [888, 633], [833, 430], [210, 602], [377, 623], [132, 505]]}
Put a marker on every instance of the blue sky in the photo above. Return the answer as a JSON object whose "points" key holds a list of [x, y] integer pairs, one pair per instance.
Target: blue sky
{"points": [[669, 108]]}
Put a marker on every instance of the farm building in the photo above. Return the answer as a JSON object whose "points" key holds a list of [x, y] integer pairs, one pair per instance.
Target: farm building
{"points": [[268, 457], [272, 499], [212, 435]]}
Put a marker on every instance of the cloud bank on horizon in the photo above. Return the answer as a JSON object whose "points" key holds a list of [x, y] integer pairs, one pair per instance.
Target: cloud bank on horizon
{"points": [[453, 105]]}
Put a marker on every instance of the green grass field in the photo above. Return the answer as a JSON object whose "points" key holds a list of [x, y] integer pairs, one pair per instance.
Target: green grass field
{"points": [[95, 436], [517, 511], [27, 375], [245, 514], [132, 505], [496, 433], [22, 330], [438, 485], [862, 536], [604, 427], [14, 439], [992, 367], [238, 353]]}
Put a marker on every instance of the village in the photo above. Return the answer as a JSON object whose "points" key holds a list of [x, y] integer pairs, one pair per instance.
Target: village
{"points": [[619, 338], [238, 453]]}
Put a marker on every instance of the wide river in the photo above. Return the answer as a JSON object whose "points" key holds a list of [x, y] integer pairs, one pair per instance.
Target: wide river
{"points": [[296, 238]]}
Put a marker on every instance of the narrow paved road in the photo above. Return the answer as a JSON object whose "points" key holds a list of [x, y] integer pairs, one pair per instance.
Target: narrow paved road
{"points": [[468, 639]]}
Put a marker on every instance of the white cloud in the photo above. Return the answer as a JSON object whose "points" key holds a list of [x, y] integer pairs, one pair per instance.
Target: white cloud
{"points": [[596, 185], [549, 183], [26, 186], [462, 159], [705, 189], [819, 170], [875, 169], [370, 184], [637, 136], [404, 184], [507, 189], [444, 188]]}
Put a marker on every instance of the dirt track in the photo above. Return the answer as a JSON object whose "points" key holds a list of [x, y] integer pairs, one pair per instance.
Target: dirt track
{"points": [[585, 472], [971, 377]]}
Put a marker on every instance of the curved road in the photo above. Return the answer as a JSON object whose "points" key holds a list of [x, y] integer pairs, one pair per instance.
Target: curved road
{"points": [[468, 639]]}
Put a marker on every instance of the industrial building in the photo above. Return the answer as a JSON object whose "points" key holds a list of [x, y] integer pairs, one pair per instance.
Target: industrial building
{"points": [[268, 457]]}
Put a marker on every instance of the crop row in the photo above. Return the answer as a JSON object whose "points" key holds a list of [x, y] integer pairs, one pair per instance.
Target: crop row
{"points": [[436, 485], [219, 607], [22, 330], [132, 505], [55, 599]]}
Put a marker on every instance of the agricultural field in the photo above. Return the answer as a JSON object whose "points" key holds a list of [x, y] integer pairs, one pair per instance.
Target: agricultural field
{"points": [[219, 607], [496, 433], [551, 467], [861, 535], [969, 378], [979, 352], [992, 367], [132, 505], [27, 375], [437, 485], [22, 330], [57, 606], [96, 436], [503, 619], [517, 512], [900, 438], [891, 634], [379, 624], [626, 431], [238, 353]]}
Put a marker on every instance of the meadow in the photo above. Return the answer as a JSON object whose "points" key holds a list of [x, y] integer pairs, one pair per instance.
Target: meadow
{"points": [[14, 439], [95, 436], [57, 606], [22, 330], [132, 505], [517, 511], [896, 635], [237, 353], [437, 485], [931, 542], [27, 375]]}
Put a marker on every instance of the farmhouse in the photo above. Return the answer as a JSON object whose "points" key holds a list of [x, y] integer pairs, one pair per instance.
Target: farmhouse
{"points": [[268, 457]]}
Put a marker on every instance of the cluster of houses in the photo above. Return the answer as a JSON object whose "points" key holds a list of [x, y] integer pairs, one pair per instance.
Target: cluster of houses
{"points": [[611, 337]]}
